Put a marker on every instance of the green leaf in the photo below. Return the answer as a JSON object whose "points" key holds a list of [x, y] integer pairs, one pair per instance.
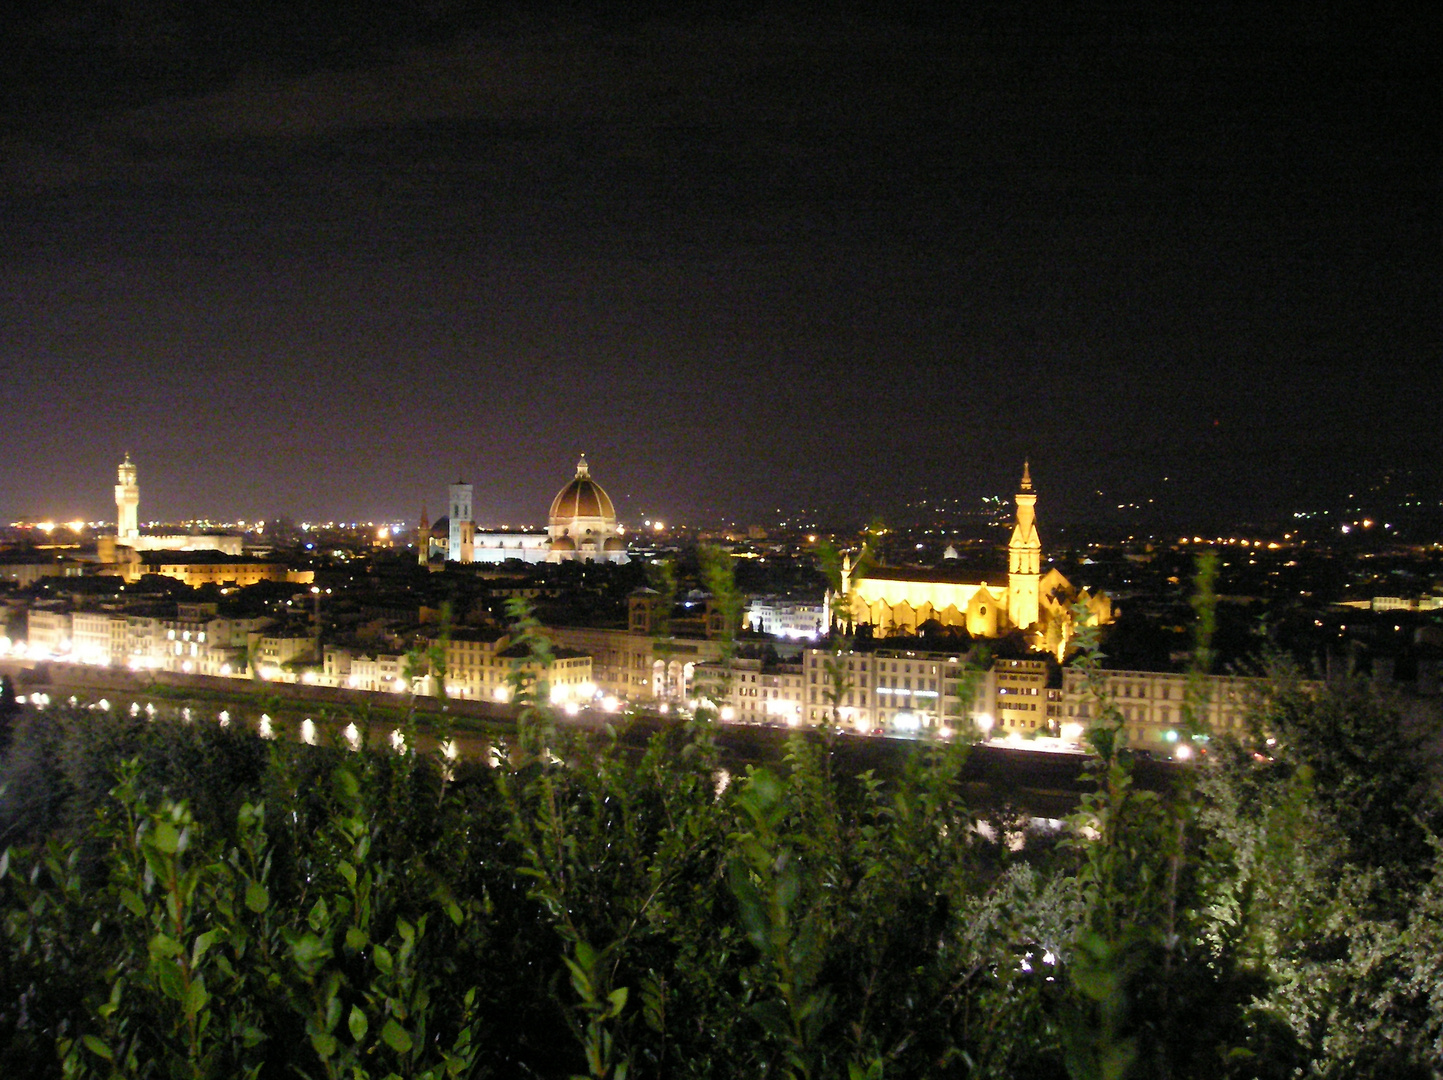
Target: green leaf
{"points": [[357, 1023], [772, 1015], [196, 997], [95, 1046], [166, 837], [257, 898], [319, 913], [357, 939], [585, 955], [203, 943], [383, 961], [618, 1000], [580, 980], [749, 903], [347, 871], [396, 1037], [310, 952], [167, 973], [325, 1044], [163, 945], [346, 785]]}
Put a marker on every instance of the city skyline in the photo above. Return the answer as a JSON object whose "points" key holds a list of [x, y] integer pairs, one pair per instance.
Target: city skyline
{"points": [[783, 262], [1412, 518]]}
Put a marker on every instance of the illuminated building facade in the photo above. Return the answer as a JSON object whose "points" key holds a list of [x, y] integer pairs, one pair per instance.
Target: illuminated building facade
{"points": [[462, 529], [895, 689], [785, 617], [751, 692], [581, 527], [582, 524], [896, 602], [1150, 704], [127, 524], [212, 568], [127, 504]]}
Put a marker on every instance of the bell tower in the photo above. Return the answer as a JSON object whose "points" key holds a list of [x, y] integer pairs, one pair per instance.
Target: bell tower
{"points": [[127, 504], [1024, 557], [461, 544]]}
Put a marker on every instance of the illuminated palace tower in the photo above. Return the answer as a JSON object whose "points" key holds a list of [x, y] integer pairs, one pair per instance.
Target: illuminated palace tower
{"points": [[127, 503], [1024, 557], [462, 541]]}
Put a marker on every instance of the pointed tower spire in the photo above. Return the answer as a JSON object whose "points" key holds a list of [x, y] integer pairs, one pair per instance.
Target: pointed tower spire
{"points": [[582, 472], [1024, 557]]}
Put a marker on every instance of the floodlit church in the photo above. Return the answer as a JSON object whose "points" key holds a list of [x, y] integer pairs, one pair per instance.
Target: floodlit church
{"points": [[897, 602], [581, 527]]}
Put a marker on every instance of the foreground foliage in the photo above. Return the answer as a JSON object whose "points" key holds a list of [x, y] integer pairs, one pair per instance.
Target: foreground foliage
{"points": [[189, 901]]}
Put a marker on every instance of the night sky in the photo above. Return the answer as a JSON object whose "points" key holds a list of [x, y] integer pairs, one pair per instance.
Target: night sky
{"points": [[318, 263]]}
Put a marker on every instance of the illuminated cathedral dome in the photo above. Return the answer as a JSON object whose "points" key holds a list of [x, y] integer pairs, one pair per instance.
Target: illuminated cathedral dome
{"points": [[582, 523], [583, 498]]}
